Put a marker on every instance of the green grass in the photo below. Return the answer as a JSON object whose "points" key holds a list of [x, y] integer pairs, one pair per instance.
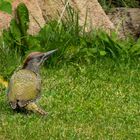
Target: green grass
{"points": [[94, 101]]}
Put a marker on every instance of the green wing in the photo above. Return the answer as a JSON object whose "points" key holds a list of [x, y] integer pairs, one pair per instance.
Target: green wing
{"points": [[24, 86]]}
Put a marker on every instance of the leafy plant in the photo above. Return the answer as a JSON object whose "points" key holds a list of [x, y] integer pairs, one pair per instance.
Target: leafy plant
{"points": [[5, 6], [23, 18], [16, 36], [9, 60], [135, 49]]}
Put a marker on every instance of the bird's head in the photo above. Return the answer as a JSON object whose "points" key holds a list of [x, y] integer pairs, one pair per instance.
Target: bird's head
{"points": [[34, 60]]}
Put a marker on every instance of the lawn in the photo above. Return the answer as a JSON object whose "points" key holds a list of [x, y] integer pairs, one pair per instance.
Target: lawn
{"points": [[98, 101]]}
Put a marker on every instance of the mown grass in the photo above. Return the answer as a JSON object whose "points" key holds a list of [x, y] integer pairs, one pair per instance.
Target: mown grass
{"points": [[94, 101]]}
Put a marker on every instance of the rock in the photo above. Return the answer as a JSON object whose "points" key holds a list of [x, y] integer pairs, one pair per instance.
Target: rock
{"points": [[89, 9], [4, 20], [127, 21], [35, 14]]}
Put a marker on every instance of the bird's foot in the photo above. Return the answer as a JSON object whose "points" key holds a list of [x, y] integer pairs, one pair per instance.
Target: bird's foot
{"points": [[35, 108]]}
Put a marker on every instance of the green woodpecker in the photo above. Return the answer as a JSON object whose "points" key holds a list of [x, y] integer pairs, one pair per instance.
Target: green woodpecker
{"points": [[25, 84]]}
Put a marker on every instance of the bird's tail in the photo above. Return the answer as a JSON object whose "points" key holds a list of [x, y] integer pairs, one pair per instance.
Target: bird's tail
{"points": [[3, 82]]}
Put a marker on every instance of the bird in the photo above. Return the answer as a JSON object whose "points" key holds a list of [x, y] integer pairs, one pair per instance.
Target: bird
{"points": [[24, 87]]}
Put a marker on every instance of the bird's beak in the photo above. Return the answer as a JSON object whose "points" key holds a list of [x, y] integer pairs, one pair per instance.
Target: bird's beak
{"points": [[47, 54]]}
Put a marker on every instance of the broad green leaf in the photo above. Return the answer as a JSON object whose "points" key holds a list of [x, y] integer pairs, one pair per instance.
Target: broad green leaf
{"points": [[6, 7], [23, 18], [102, 53], [14, 29]]}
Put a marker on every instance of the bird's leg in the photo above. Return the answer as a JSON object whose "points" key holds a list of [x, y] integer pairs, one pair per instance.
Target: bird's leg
{"points": [[33, 107]]}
